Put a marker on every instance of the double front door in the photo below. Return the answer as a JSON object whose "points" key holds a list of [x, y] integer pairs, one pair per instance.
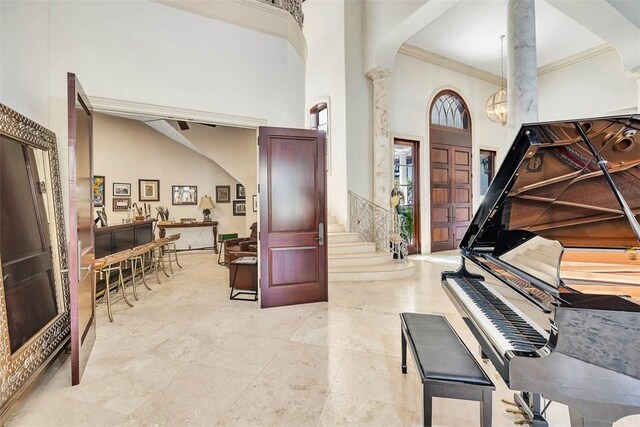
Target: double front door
{"points": [[451, 202]]}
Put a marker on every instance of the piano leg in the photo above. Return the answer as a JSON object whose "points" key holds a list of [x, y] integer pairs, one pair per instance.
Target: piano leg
{"points": [[531, 406], [578, 421]]}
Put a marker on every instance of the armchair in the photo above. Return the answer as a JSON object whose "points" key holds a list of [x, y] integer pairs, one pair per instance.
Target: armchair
{"points": [[243, 246]]}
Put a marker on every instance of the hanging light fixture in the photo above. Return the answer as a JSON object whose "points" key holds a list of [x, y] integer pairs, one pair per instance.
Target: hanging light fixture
{"points": [[496, 106]]}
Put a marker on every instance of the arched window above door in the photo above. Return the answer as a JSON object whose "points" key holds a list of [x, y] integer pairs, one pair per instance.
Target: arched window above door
{"points": [[450, 110]]}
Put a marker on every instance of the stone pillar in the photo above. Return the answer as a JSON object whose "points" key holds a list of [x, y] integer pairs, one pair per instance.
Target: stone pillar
{"points": [[381, 143], [522, 70]]}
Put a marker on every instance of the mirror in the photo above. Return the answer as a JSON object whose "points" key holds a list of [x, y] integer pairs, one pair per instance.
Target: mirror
{"points": [[34, 292]]}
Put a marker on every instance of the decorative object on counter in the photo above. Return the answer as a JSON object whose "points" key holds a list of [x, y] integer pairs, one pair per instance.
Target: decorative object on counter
{"points": [[149, 190], [184, 194], [138, 216], [98, 191], [223, 193], [163, 213], [239, 208], [206, 205], [188, 221], [255, 203], [102, 217], [240, 194], [121, 189], [121, 204]]}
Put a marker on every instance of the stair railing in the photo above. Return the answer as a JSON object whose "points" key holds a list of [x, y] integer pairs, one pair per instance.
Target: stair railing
{"points": [[373, 223]]}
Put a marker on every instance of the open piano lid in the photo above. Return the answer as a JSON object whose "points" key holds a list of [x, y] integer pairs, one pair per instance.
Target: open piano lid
{"points": [[551, 184]]}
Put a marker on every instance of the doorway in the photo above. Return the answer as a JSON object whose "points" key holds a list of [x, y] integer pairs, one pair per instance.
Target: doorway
{"points": [[451, 172], [406, 177]]}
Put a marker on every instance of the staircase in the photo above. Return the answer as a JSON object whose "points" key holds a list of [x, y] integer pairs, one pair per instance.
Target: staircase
{"points": [[353, 260]]}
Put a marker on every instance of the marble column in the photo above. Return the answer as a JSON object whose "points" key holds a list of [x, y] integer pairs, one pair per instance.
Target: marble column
{"points": [[381, 144], [522, 70]]}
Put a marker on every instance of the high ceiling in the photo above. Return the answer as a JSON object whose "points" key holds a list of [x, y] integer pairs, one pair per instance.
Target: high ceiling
{"points": [[470, 33]]}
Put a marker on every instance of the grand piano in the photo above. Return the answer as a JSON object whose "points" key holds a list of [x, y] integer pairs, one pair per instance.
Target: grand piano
{"points": [[548, 283]]}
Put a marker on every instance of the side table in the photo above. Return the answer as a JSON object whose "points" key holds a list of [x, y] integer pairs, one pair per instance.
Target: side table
{"points": [[243, 277]]}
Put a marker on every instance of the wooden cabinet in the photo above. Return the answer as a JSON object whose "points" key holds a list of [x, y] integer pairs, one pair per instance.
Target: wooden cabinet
{"points": [[116, 238]]}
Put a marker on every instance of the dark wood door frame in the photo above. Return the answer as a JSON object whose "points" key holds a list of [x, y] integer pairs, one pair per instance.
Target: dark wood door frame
{"points": [[415, 149], [293, 216], [81, 253]]}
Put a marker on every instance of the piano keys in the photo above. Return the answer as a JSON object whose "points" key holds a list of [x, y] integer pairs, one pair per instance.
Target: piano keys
{"points": [[566, 191]]}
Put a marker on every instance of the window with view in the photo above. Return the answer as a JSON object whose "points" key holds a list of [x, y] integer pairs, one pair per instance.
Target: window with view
{"points": [[487, 169]]}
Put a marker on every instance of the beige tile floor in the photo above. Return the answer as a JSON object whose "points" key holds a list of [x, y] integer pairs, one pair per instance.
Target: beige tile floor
{"points": [[187, 355]]}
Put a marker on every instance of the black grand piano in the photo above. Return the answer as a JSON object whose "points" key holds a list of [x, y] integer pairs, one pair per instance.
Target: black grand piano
{"points": [[548, 283]]}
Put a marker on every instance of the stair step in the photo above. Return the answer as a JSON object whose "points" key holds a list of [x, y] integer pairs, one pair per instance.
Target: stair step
{"points": [[351, 247], [389, 271], [355, 259], [342, 238], [336, 228]]}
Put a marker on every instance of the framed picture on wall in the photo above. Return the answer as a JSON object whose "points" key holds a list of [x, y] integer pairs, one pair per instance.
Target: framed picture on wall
{"points": [[121, 189], [184, 194], [240, 192], [255, 203], [98, 191], [149, 190], [121, 204], [239, 208], [223, 194]]}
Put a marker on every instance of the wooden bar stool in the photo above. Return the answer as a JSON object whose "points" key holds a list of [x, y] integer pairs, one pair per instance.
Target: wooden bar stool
{"points": [[159, 250], [105, 266], [137, 258], [170, 248]]}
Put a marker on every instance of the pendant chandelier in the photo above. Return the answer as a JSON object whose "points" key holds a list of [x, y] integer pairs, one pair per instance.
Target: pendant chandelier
{"points": [[496, 106]]}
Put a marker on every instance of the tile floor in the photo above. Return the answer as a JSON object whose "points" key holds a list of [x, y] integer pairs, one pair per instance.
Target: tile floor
{"points": [[187, 355]]}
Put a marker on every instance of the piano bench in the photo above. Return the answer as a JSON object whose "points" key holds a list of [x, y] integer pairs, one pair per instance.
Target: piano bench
{"points": [[446, 366]]}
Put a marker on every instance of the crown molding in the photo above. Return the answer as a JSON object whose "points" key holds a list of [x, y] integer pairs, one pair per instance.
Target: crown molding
{"points": [[107, 105], [449, 63], [573, 59], [469, 70], [250, 14]]}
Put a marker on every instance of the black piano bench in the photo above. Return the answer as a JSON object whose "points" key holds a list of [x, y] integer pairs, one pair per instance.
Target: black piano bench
{"points": [[446, 366]]}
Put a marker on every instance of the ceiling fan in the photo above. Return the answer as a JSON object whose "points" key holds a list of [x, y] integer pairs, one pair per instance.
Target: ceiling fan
{"points": [[185, 126]]}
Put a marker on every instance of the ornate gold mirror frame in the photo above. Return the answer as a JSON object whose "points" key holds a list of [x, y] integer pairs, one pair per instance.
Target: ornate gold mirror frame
{"points": [[18, 370]]}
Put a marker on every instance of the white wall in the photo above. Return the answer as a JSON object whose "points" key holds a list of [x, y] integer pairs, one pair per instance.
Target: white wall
{"points": [[235, 150], [24, 45], [358, 101], [128, 150], [146, 52], [325, 79], [413, 86], [590, 88], [143, 52]]}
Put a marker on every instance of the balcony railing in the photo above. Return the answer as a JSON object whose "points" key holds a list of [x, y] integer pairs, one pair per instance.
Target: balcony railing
{"points": [[294, 7]]}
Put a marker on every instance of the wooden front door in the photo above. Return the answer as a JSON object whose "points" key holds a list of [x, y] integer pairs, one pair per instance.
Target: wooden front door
{"points": [[451, 208], [450, 153], [81, 248], [293, 216]]}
